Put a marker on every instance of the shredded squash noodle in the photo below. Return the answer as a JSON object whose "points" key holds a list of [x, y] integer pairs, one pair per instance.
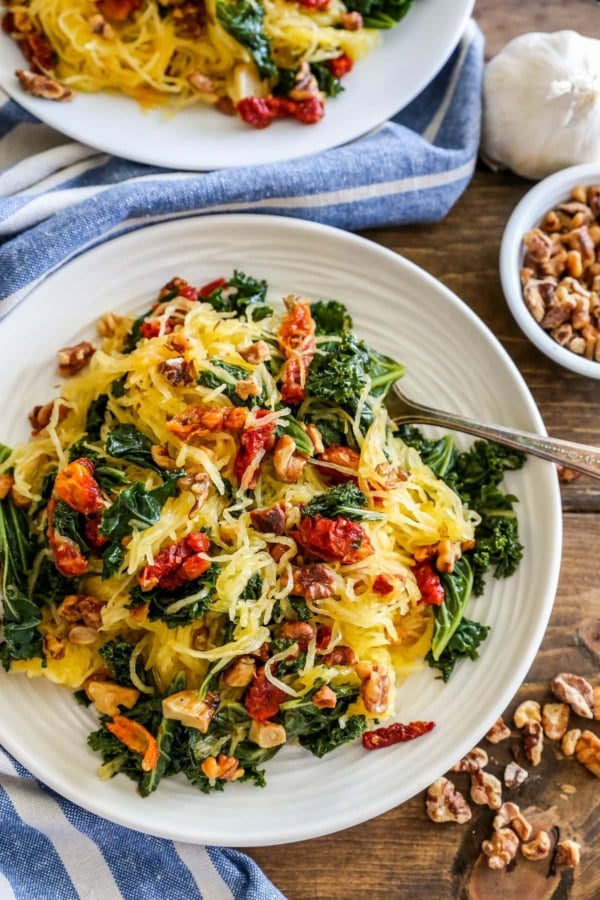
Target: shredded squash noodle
{"points": [[217, 537], [262, 59]]}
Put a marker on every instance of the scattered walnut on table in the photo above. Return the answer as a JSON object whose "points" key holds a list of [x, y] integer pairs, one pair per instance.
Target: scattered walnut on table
{"points": [[527, 711], [555, 720], [486, 790], [538, 847], [501, 848], [498, 732], [473, 761], [445, 804], [587, 751], [576, 691], [568, 854], [569, 741], [514, 775], [533, 741], [510, 814]]}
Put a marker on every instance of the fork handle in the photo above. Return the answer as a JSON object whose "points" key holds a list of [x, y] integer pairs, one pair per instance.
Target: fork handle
{"points": [[580, 457]]}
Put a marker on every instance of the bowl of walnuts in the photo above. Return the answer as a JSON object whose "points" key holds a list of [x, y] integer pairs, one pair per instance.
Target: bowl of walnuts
{"points": [[550, 267]]}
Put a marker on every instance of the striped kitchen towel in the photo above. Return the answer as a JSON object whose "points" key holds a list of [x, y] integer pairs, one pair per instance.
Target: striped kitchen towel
{"points": [[59, 198], [50, 849]]}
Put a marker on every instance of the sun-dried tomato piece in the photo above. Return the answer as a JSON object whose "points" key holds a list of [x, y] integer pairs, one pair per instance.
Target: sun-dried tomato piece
{"points": [[339, 455], [118, 10], [38, 50], [76, 486], [337, 539], [178, 287], [136, 738], [396, 733], [91, 531], [261, 111], [323, 637], [263, 699], [383, 585], [429, 583], [341, 65], [257, 111], [177, 564], [207, 289], [318, 5], [296, 339], [255, 443]]}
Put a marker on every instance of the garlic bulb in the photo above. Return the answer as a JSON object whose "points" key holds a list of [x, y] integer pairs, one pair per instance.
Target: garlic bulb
{"points": [[541, 108]]}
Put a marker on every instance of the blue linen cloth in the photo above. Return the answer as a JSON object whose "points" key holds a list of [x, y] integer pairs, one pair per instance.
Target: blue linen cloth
{"points": [[58, 198]]}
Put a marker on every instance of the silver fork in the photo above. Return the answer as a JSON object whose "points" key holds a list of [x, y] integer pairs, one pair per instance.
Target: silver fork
{"points": [[580, 457]]}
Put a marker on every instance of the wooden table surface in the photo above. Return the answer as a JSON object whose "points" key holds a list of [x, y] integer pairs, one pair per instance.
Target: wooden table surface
{"points": [[402, 854]]}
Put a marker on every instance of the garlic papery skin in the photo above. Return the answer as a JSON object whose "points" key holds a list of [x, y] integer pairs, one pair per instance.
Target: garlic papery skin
{"points": [[541, 104]]}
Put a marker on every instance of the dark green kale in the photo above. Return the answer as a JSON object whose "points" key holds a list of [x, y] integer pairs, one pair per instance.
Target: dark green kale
{"points": [[96, 417], [164, 605], [148, 712], [119, 387], [20, 637], [294, 430], [380, 13], [341, 370], [135, 334], [319, 730], [127, 442], [211, 378], [254, 587], [47, 585], [440, 454], [165, 735], [330, 317], [291, 664], [136, 507], [464, 643], [457, 589], [342, 500], [326, 80], [243, 20], [300, 608], [113, 557], [117, 656], [70, 524], [241, 293]]}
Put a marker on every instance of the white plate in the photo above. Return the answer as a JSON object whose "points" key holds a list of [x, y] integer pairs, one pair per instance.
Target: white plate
{"points": [[199, 138], [452, 360]]}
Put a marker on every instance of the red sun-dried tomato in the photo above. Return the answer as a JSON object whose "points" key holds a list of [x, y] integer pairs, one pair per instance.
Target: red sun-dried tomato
{"points": [[76, 486], [68, 558], [296, 339], [207, 289], [177, 564], [383, 585], [341, 65], [91, 530], [337, 539], [396, 733], [263, 699], [323, 637], [255, 442], [118, 10], [429, 583], [257, 111]]}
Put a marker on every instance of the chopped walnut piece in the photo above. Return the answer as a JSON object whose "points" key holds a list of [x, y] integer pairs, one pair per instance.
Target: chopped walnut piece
{"points": [[288, 464], [587, 751], [256, 353], [569, 741], [54, 647], [575, 691], [160, 456], [528, 711], [486, 790], [514, 775], [567, 854], [375, 686], [314, 582], [178, 371], [533, 742], [100, 26], [241, 672], [445, 804], [107, 324], [352, 21], [41, 86], [555, 720], [325, 698], [73, 359], [501, 849], [472, 761], [510, 814], [247, 387], [40, 416], [498, 732], [538, 848], [342, 655], [222, 767]]}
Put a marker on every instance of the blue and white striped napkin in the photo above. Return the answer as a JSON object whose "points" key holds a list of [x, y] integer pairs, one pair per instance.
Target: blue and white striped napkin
{"points": [[57, 199]]}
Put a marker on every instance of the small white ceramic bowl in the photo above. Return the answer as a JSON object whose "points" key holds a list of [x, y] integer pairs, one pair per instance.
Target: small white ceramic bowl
{"points": [[528, 213]]}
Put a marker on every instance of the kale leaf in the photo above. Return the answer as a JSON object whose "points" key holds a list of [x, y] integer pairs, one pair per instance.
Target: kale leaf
{"points": [[96, 416], [127, 442], [379, 13], [136, 507], [319, 730], [342, 500], [211, 378], [165, 735], [457, 589], [330, 317], [117, 656], [464, 643], [440, 454], [70, 524], [243, 20], [20, 637]]}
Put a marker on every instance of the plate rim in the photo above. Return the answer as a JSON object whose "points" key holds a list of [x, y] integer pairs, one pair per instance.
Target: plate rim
{"points": [[308, 831]]}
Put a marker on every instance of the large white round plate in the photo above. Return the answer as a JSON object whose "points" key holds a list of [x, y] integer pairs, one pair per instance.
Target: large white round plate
{"points": [[199, 138], [453, 361]]}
